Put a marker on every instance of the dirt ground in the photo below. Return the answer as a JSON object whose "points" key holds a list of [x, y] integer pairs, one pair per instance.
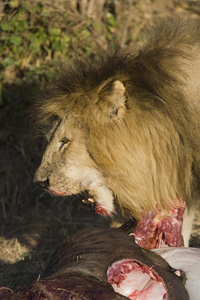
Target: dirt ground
{"points": [[32, 222]]}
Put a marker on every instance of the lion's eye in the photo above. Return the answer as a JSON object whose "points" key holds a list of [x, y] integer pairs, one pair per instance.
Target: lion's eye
{"points": [[64, 141]]}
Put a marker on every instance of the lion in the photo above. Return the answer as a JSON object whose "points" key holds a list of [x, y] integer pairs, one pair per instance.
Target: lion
{"points": [[125, 127]]}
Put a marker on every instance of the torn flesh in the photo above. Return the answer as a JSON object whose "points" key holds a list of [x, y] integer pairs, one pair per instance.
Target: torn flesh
{"points": [[161, 228], [136, 281]]}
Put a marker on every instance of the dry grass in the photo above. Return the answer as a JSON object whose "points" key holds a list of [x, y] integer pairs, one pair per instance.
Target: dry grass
{"points": [[32, 222]]}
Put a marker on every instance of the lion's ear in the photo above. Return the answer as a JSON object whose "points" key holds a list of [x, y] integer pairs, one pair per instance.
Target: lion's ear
{"points": [[113, 96]]}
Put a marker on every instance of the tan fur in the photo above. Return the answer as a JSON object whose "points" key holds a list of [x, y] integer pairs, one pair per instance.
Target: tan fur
{"points": [[133, 121]]}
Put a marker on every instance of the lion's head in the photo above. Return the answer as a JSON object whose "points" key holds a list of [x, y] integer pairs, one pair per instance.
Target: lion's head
{"points": [[122, 130]]}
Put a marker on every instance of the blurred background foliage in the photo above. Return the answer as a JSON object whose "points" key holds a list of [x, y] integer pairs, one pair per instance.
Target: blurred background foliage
{"points": [[37, 38]]}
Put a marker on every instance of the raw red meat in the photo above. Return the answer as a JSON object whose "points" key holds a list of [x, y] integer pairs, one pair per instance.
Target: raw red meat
{"points": [[161, 228]]}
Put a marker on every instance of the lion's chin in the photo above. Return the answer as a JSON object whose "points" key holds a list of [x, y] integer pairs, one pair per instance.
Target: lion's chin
{"points": [[95, 206]]}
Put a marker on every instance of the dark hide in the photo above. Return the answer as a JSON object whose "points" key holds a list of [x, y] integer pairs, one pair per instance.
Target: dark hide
{"points": [[78, 268]]}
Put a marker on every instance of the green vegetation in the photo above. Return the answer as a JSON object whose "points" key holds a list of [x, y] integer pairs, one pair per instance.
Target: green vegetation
{"points": [[37, 36]]}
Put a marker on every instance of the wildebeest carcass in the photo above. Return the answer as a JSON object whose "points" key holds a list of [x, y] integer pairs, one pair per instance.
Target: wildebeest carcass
{"points": [[104, 263]]}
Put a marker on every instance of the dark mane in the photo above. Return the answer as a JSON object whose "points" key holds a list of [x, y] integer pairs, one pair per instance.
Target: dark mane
{"points": [[166, 41], [153, 70]]}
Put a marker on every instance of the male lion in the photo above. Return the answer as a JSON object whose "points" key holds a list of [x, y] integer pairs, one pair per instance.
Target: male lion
{"points": [[126, 129]]}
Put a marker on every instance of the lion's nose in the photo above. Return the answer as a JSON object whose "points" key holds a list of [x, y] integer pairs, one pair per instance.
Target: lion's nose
{"points": [[44, 184]]}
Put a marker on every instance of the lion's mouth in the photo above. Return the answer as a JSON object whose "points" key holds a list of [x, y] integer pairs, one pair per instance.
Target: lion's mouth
{"points": [[100, 201], [55, 193], [87, 199]]}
